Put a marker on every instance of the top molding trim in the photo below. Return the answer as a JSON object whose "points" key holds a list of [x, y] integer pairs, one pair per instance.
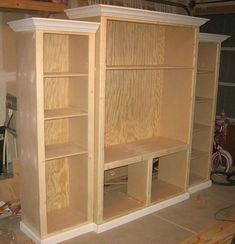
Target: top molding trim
{"points": [[208, 37], [133, 13], [32, 24]]}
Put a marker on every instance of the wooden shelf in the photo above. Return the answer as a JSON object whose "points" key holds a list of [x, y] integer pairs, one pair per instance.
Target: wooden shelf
{"points": [[63, 74], [63, 150], [117, 203], [63, 113], [60, 219], [33, 5], [144, 67], [198, 154], [203, 99], [124, 154], [200, 127], [205, 71], [162, 190]]}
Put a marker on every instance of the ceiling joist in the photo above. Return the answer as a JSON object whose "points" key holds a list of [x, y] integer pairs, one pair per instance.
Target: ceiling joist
{"points": [[31, 5]]}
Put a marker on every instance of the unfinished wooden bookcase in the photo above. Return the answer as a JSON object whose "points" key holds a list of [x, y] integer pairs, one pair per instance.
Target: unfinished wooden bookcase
{"points": [[55, 80], [204, 111], [146, 68]]}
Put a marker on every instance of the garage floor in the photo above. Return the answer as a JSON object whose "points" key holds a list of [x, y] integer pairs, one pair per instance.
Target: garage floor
{"points": [[170, 225]]}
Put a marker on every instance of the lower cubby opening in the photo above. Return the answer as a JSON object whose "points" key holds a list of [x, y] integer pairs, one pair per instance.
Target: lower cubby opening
{"points": [[199, 167], [125, 189], [67, 194], [169, 176]]}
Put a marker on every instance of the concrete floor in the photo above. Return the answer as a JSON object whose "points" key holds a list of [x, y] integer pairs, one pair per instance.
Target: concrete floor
{"points": [[168, 226]]}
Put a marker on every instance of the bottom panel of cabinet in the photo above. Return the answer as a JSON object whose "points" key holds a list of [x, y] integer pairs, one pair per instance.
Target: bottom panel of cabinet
{"points": [[67, 193]]}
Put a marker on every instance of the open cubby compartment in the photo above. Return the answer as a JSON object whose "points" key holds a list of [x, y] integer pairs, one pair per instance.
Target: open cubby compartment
{"points": [[125, 189], [146, 111], [170, 179], [65, 53], [206, 85], [203, 112], [207, 57], [65, 137], [167, 45], [199, 167], [67, 192], [65, 97]]}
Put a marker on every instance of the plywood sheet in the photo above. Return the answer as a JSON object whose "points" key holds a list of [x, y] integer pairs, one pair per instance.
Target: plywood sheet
{"points": [[126, 43], [132, 105]]}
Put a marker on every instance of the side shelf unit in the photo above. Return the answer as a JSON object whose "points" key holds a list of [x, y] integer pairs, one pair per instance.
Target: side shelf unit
{"points": [[146, 67], [204, 111], [55, 123]]}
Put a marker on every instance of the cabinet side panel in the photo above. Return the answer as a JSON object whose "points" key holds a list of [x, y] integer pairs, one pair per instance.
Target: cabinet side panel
{"points": [[132, 105], [176, 104], [27, 129]]}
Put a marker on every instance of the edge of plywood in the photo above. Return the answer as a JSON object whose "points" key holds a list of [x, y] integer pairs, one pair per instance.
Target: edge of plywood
{"points": [[133, 13], [58, 237], [140, 213], [199, 187]]}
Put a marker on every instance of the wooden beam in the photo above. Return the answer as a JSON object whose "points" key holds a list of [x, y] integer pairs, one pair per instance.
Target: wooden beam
{"points": [[32, 5], [225, 9]]}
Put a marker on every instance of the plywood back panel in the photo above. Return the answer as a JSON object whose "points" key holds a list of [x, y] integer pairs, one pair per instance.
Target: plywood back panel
{"points": [[205, 85], [207, 56], [180, 45], [56, 53], [57, 184], [56, 131], [203, 112], [79, 184], [176, 105], [132, 105], [56, 93], [199, 166], [135, 43], [202, 140], [64, 92], [78, 53]]}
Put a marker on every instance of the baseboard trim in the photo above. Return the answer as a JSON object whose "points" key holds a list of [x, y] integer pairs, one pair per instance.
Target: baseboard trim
{"points": [[199, 187], [141, 213], [69, 234], [57, 238]]}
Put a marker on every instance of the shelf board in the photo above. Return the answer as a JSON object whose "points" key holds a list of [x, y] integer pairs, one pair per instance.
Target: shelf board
{"points": [[124, 154], [200, 127], [162, 190], [63, 74], [198, 154], [61, 113], [205, 71], [117, 203], [144, 67], [203, 99], [60, 219], [63, 150]]}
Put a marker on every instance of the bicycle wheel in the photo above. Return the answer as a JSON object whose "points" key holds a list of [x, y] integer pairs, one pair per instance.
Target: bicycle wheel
{"points": [[221, 161]]}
